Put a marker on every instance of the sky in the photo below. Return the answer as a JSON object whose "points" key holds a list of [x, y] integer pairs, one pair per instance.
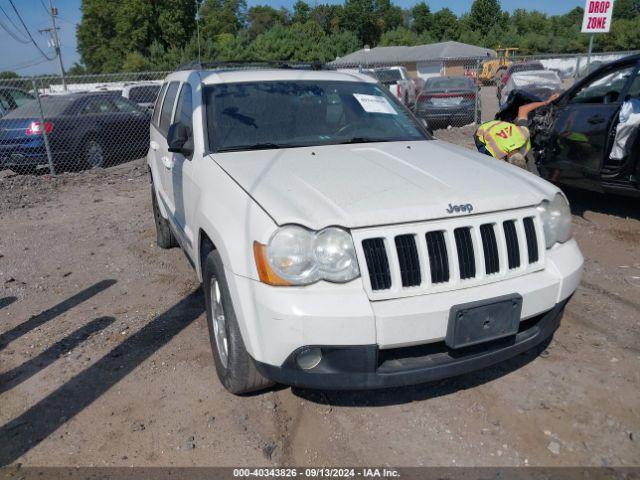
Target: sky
{"points": [[26, 60]]}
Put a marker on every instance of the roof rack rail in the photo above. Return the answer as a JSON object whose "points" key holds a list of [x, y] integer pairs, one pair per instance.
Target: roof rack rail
{"points": [[250, 64]]}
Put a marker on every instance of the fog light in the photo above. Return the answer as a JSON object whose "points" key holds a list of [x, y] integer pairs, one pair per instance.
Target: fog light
{"points": [[309, 358]]}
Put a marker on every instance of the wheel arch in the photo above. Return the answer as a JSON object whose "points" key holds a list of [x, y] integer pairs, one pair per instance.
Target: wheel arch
{"points": [[205, 247]]}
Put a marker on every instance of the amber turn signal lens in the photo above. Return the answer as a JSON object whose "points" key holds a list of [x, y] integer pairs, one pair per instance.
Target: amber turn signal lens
{"points": [[265, 273]]}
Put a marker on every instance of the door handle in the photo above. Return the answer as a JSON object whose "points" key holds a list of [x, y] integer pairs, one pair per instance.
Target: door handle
{"points": [[154, 145], [596, 119], [167, 162]]}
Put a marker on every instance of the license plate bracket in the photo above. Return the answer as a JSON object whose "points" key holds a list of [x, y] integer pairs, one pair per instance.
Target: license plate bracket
{"points": [[484, 320]]}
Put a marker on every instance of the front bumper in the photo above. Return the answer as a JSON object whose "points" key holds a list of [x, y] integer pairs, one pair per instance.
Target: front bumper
{"points": [[368, 367], [12, 156], [276, 322], [21, 160]]}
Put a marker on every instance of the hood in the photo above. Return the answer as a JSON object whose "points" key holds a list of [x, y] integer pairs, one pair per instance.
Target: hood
{"points": [[379, 183]]}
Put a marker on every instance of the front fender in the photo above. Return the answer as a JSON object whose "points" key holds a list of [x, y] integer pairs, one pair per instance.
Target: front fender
{"points": [[231, 219]]}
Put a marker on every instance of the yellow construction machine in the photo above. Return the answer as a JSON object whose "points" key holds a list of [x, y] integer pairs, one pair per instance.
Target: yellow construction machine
{"points": [[493, 69]]}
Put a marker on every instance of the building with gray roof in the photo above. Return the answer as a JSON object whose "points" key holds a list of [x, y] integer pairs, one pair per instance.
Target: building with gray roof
{"points": [[444, 58]]}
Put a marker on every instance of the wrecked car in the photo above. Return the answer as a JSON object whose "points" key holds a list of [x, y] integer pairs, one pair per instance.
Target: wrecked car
{"points": [[573, 137], [541, 83]]}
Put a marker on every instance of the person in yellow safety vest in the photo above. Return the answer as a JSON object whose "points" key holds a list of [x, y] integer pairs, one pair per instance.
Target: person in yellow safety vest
{"points": [[510, 141]]}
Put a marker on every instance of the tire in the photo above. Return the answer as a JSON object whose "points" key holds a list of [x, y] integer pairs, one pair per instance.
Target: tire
{"points": [[93, 154], [236, 369], [164, 236], [25, 170]]}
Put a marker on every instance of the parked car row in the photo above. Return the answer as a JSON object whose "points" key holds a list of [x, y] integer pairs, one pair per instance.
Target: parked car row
{"points": [[397, 80], [83, 130], [445, 101]]}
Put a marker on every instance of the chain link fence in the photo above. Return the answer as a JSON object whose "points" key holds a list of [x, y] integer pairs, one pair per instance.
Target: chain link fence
{"points": [[84, 122], [95, 121]]}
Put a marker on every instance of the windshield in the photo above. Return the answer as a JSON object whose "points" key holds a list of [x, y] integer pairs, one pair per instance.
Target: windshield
{"points": [[390, 75], [250, 116], [448, 83]]}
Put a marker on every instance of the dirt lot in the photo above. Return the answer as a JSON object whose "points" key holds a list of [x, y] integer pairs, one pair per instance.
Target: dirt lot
{"points": [[105, 359]]}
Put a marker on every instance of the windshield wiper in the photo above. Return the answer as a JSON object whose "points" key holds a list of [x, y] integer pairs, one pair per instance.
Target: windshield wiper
{"points": [[364, 140], [255, 146]]}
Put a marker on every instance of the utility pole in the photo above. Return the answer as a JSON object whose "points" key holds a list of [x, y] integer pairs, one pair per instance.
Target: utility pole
{"points": [[56, 42]]}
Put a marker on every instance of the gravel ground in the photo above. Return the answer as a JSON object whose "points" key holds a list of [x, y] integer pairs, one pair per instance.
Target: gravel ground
{"points": [[105, 358]]}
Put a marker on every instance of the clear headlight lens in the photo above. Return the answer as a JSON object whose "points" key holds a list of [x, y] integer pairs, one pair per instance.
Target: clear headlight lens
{"points": [[290, 255], [298, 256], [335, 255], [556, 220]]}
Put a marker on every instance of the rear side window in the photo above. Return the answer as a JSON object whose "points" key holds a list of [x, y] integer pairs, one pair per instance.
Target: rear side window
{"points": [[167, 106], [52, 106], [125, 106], [146, 94], [20, 98], [4, 102], [156, 108], [184, 110], [98, 105]]}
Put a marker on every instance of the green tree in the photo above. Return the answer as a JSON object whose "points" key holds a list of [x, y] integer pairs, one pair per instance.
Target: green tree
{"points": [[110, 31], [421, 18], [76, 69], [624, 35], [626, 9], [390, 16], [263, 17], [301, 12], [370, 18], [6, 75], [341, 43], [359, 16], [400, 36], [231, 47], [136, 62], [484, 15], [445, 25], [222, 16], [327, 16]]}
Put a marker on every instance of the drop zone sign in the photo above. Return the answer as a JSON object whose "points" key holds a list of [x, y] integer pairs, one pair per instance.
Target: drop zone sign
{"points": [[597, 16]]}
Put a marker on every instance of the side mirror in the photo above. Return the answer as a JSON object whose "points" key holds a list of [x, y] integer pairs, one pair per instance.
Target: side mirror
{"points": [[180, 140]]}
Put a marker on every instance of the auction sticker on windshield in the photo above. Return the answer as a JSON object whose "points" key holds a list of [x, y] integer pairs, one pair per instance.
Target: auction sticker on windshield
{"points": [[374, 104]]}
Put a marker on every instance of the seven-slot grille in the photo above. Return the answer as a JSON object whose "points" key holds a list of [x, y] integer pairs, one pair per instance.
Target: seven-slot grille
{"points": [[455, 253]]}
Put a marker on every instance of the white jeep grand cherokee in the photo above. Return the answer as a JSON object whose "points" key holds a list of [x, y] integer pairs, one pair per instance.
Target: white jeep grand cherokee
{"points": [[340, 246]]}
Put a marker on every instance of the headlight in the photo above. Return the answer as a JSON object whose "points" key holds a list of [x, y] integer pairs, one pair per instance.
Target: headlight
{"points": [[297, 256], [556, 220]]}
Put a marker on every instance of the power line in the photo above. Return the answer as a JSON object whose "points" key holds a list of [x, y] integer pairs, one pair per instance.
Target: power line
{"points": [[44, 6], [25, 65], [11, 34], [28, 32], [9, 31]]}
